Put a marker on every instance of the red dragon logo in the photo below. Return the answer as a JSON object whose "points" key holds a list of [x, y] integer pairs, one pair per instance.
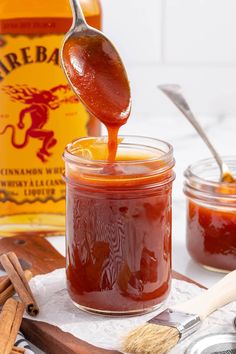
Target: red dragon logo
{"points": [[39, 103]]}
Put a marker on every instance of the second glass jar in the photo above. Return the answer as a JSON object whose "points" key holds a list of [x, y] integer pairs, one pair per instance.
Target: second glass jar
{"points": [[211, 215], [119, 224]]}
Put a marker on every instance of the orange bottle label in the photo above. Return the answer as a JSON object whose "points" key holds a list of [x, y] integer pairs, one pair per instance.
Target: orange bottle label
{"points": [[39, 115]]}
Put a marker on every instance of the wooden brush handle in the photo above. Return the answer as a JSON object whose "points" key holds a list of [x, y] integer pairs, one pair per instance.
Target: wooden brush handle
{"points": [[212, 299]]}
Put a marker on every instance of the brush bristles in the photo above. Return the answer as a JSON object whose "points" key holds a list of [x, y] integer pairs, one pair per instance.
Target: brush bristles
{"points": [[151, 339]]}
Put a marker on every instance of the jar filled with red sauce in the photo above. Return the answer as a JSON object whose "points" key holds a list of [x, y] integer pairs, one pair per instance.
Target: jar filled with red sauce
{"points": [[211, 215], [119, 224]]}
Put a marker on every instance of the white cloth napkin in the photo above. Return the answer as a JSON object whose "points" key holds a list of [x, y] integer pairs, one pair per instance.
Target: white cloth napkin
{"points": [[57, 309]]}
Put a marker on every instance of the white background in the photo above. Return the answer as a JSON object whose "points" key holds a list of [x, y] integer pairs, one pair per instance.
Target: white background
{"points": [[191, 42]]}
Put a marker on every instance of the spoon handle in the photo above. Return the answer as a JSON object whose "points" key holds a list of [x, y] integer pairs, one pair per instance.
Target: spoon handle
{"points": [[173, 92], [78, 16]]}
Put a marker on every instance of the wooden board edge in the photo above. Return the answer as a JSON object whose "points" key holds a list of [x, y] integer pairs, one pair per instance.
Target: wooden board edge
{"points": [[53, 340]]}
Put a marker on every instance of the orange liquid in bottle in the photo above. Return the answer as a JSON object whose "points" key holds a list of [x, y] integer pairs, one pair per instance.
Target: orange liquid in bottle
{"points": [[39, 114]]}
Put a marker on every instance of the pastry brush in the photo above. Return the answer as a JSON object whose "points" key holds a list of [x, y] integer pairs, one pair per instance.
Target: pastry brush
{"points": [[165, 330]]}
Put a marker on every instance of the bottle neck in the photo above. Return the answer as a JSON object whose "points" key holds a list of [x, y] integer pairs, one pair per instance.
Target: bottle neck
{"points": [[44, 17], [45, 8]]}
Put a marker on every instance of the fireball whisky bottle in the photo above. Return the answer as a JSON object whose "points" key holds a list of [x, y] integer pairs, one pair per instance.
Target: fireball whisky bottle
{"points": [[39, 114]]}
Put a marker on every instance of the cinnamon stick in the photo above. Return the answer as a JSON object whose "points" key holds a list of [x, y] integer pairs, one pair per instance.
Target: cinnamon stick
{"points": [[16, 274], [7, 289], [17, 350], [4, 283], [3, 277], [10, 321]]}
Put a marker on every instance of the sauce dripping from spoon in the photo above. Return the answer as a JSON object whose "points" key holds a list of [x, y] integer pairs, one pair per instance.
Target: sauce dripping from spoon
{"points": [[97, 75]]}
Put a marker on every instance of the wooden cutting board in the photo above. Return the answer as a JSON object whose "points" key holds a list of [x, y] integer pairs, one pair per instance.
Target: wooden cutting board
{"points": [[41, 257]]}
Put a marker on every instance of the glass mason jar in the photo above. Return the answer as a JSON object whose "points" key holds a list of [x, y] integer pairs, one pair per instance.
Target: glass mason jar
{"points": [[118, 224], [211, 215]]}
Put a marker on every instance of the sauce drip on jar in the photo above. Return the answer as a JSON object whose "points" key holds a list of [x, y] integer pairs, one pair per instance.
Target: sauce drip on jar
{"points": [[98, 76]]}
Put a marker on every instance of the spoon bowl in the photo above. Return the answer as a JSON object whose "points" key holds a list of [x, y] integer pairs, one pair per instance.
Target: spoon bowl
{"points": [[94, 69]]}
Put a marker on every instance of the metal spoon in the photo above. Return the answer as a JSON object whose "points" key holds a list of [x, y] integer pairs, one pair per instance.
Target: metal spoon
{"points": [[94, 69], [174, 93]]}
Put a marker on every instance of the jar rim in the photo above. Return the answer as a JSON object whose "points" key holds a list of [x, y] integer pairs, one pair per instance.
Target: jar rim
{"points": [[72, 158], [189, 172], [206, 189], [132, 168]]}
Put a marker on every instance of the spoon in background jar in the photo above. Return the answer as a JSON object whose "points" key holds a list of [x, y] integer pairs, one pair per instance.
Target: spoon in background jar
{"points": [[174, 93]]}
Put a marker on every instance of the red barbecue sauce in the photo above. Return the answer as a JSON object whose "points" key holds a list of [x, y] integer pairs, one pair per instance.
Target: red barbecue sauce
{"points": [[99, 78], [211, 236], [118, 245], [119, 238]]}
